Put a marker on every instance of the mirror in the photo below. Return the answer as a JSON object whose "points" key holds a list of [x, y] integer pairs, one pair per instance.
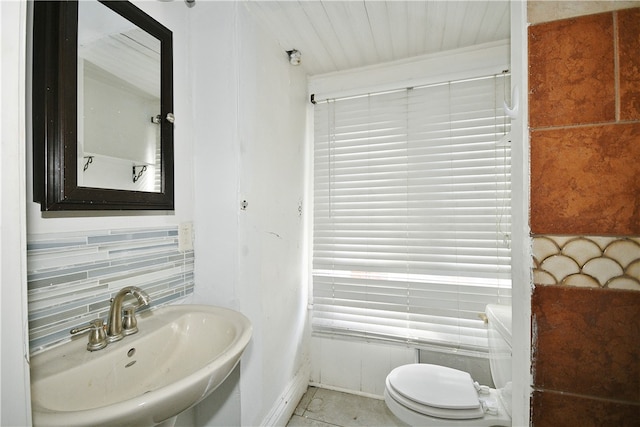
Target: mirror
{"points": [[122, 156], [102, 107]]}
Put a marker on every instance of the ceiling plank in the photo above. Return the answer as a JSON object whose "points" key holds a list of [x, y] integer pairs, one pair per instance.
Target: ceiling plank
{"points": [[308, 41], [378, 18], [417, 25], [322, 25], [400, 29], [341, 35], [473, 13], [453, 25], [344, 32], [435, 26]]}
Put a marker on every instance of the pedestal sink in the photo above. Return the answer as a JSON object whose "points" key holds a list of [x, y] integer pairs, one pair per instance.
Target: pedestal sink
{"points": [[179, 356]]}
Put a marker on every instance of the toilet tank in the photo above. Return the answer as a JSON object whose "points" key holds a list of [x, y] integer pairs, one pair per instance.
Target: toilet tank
{"points": [[499, 323]]}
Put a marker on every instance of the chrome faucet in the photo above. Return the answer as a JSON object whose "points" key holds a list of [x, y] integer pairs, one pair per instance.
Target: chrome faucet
{"points": [[114, 323]]}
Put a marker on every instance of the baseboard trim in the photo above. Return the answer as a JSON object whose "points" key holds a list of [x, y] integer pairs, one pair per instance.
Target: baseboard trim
{"points": [[286, 403], [346, 390]]}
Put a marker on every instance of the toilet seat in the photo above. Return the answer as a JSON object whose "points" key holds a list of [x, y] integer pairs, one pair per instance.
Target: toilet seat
{"points": [[451, 393]]}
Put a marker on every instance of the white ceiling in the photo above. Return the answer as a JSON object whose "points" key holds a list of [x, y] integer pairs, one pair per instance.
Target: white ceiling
{"points": [[340, 35]]}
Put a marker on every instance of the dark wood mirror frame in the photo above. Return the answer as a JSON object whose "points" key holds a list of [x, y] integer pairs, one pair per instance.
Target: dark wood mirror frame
{"points": [[55, 144]]}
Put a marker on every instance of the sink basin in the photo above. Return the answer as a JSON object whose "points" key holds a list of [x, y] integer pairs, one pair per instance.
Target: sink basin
{"points": [[181, 354]]}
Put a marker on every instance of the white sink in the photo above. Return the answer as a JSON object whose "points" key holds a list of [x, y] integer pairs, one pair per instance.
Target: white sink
{"points": [[181, 354]]}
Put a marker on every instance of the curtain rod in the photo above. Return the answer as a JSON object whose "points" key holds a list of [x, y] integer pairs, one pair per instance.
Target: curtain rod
{"points": [[314, 101]]}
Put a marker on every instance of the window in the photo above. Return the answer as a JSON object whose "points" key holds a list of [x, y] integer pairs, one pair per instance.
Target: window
{"points": [[412, 213]]}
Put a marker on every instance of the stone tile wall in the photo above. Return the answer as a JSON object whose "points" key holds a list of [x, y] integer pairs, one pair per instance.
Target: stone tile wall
{"points": [[584, 99], [584, 95], [586, 360]]}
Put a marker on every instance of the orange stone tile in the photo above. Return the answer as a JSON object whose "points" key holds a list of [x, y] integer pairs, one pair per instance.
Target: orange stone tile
{"points": [[587, 342], [572, 71], [554, 409], [586, 180], [629, 63]]}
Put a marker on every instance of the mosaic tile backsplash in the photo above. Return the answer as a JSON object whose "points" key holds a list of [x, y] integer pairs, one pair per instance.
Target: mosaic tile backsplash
{"points": [[72, 276]]}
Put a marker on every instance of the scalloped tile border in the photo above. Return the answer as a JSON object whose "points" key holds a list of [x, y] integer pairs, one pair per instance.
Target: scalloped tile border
{"points": [[587, 261]]}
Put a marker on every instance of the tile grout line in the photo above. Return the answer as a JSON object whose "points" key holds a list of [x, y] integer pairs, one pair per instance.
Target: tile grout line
{"points": [[319, 421], [616, 66]]}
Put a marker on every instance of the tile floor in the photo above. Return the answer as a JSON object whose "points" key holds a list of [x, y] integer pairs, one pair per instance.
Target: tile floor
{"points": [[320, 407]]}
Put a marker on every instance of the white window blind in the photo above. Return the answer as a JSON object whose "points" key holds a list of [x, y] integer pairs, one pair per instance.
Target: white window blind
{"points": [[412, 213]]}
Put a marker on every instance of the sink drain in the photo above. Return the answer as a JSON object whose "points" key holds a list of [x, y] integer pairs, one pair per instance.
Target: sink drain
{"points": [[130, 353]]}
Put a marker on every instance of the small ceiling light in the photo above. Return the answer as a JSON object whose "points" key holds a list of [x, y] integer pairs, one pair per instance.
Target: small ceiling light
{"points": [[295, 57], [190, 3]]}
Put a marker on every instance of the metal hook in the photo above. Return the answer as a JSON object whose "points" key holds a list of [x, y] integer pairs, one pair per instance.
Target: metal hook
{"points": [[512, 112], [137, 176], [88, 162]]}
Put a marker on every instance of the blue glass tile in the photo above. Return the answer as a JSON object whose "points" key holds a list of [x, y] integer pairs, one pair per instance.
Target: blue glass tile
{"points": [[126, 260]]}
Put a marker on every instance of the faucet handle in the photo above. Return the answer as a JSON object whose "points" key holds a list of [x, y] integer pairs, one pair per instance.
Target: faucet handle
{"points": [[97, 334], [129, 321]]}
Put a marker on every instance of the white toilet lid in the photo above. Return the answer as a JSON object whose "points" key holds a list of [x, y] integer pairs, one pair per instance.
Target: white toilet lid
{"points": [[436, 386]]}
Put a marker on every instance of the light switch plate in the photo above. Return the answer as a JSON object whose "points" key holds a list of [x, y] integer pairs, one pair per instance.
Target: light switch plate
{"points": [[185, 236]]}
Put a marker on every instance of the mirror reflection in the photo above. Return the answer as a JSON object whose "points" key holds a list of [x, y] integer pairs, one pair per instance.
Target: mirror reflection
{"points": [[118, 102]]}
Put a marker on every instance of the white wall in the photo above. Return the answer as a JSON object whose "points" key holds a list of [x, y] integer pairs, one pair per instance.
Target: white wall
{"points": [[521, 258], [272, 142], [14, 373], [250, 141], [216, 163], [355, 366]]}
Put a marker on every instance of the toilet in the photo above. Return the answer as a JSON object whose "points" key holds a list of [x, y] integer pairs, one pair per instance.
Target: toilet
{"points": [[421, 394]]}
